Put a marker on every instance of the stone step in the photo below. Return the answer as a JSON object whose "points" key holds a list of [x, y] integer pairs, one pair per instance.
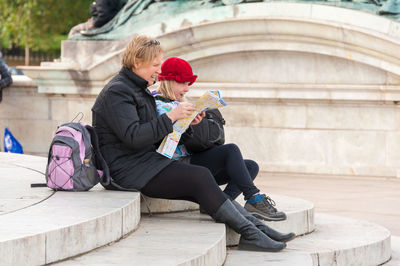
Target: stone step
{"points": [[335, 241], [47, 226], [300, 218], [35, 163], [185, 238], [65, 225], [165, 206], [17, 174], [300, 214], [395, 259]]}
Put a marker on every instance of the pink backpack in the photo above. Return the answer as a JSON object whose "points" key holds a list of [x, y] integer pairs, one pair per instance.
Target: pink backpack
{"points": [[73, 159]]}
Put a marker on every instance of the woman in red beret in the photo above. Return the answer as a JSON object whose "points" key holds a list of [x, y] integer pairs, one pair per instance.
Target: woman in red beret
{"points": [[129, 130], [224, 161]]}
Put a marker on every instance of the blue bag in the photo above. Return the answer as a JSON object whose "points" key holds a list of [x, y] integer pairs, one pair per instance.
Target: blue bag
{"points": [[11, 144]]}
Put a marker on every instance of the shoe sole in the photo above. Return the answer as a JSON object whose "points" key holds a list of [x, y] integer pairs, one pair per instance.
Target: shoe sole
{"points": [[265, 218], [250, 247], [286, 240]]}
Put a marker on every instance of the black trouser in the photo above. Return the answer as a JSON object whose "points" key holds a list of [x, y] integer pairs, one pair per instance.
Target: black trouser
{"points": [[227, 166], [186, 182]]}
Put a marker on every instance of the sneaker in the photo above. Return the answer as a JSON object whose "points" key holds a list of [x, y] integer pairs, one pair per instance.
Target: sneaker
{"points": [[262, 207]]}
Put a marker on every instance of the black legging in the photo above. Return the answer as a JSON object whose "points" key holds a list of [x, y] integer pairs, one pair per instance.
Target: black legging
{"points": [[186, 182], [227, 166]]}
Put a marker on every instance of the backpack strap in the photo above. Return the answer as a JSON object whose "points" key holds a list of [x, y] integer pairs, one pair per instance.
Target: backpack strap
{"points": [[106, 181]]}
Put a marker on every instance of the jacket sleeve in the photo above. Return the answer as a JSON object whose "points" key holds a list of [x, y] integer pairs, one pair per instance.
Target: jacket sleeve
{"points": [[6, 78], [121, 114]]}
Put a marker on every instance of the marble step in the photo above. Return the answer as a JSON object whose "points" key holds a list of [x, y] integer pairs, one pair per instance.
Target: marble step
{"points": [[35, 163], [300, 214], [16, 192], [65, 225], [165, 206], [395, 259], [47, 226], [335, 241], [184, 238], [300, 218]]}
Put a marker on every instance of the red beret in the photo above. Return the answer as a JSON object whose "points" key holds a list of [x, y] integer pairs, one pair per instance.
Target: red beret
{"points": [[177, 69]]}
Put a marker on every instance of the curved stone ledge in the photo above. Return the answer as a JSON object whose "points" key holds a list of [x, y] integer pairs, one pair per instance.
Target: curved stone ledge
{"points": [[165, 206], [15, 191], [395, 259], [47, 226], [164, 239], [336, 241], [315, 32], [300, 214], [313, 35], [300, 218], [24, 161], [300, 93], [49, 231]]}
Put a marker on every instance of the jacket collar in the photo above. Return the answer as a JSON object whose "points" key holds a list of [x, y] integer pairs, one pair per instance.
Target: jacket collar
{"points": [[159, 96], [141, 83]]}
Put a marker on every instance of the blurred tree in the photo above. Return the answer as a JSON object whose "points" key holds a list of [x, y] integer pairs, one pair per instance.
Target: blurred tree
{"points": [[33, 24]]}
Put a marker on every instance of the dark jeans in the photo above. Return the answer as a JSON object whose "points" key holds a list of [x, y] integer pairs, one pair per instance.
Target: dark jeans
{"points": [[228, 167]]}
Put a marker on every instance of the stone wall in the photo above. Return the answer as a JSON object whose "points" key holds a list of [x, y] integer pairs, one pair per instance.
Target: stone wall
{"points": [[326, 136], [33, 117], [320, 138], [297, 136], [311, 89]]}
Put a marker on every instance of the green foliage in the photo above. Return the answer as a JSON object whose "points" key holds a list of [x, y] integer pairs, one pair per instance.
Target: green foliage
{"points": [[39, 23]]}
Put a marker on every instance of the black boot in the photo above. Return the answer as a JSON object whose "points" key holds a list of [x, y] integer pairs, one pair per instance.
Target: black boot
{"points": [[275, 235], [251, 237]]}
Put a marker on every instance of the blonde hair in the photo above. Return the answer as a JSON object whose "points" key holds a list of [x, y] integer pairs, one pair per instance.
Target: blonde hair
{"points": [[140, 49], [166, 89]]}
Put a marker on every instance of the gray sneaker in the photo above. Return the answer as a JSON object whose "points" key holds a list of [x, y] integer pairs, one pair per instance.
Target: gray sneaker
{"points": [[262, 207]]}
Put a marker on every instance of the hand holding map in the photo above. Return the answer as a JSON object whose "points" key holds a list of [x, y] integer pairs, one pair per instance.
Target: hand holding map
{"points": [[209, 100]]}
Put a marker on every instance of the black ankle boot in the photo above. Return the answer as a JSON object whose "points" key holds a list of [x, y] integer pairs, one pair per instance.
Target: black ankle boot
{"points": [[251, 237], [275, 235]]}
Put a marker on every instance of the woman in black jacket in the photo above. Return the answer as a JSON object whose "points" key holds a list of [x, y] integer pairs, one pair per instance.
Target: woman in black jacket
{"points": [[129, 130]]}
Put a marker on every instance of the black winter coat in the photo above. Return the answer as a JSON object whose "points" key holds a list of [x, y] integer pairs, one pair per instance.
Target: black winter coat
{"points": [[5, 78], [129, 130]]}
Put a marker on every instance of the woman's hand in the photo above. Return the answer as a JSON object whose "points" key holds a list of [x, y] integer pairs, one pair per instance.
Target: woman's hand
{"points": [[198, 118], [181, 111]]}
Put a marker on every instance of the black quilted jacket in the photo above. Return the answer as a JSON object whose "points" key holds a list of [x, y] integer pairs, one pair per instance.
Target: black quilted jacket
{"points": [[129, 130]]}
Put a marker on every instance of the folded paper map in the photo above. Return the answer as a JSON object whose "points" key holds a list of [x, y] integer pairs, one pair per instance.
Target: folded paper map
{"points": [[209, 100]]}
